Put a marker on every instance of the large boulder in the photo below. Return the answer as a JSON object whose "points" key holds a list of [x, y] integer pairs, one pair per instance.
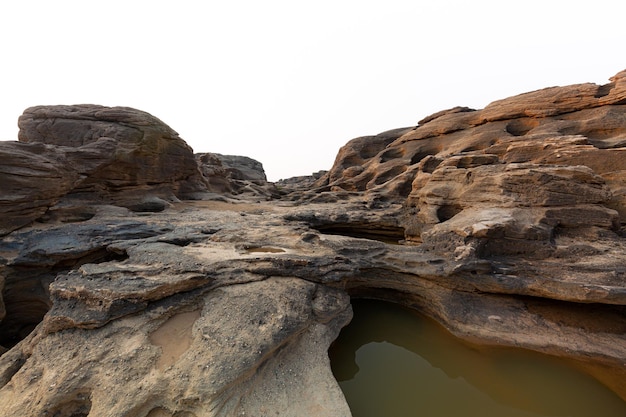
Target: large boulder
{"points": [[243, 168], [236, 175], [88, 154], [117, 151]]}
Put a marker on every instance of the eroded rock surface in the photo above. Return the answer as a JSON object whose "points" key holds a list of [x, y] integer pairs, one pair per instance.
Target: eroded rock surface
{"points": [[33, 177], [188, 321], [114, 147], [95, 154], [68, 155], [505, 224], [238, 175]]}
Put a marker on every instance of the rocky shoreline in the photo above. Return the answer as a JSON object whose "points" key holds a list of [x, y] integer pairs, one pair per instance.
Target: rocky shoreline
{"points": [[139, 279]]}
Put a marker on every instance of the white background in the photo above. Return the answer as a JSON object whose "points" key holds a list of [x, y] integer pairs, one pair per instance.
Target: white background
{"points": [[289, 82]]}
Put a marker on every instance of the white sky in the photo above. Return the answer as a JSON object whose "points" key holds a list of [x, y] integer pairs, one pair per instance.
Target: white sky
{"points": [[289, 82]]}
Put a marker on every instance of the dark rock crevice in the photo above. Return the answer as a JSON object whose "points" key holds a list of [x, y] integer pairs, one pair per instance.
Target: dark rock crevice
{"points": [[521, 127], [77, 404], [604, 90], [26, 295], [385, 234]]}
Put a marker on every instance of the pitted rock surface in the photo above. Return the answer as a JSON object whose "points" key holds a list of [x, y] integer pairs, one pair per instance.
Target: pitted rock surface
{"points": [[506, 225]]}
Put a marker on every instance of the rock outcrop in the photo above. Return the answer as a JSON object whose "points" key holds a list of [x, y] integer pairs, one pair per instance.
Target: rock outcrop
{"points": [[94, 153], [236, 175], [89, 153], [243, 168], [114, 148], [33, 178], [178, 314], [506, 224]]}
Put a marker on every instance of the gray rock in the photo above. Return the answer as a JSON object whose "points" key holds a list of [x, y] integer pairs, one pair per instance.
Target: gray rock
{"points": [[243, 168]]}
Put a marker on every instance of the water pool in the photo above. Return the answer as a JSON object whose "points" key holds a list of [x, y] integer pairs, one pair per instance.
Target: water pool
{"points": [[393, 362]]}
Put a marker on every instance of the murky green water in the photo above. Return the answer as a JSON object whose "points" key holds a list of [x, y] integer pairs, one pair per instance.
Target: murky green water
{"points": [[392, 362]]}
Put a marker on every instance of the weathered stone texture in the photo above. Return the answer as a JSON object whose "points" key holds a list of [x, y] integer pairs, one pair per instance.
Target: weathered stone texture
{"points": [[146, 151], [505, 224], [33, 177]]}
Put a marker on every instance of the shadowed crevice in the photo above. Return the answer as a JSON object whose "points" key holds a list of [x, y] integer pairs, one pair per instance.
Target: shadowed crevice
{"points": [[604, 90], [381, 233]]}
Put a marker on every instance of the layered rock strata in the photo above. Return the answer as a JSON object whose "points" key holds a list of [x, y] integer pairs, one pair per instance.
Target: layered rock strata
{"points": [[96, 154], [505, 224], [93, 153]]}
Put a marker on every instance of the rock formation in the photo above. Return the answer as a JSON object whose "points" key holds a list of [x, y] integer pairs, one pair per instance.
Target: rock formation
{"points": [[505, 224], [96, 153], [243, 168], [119, 155], [236, 175]]}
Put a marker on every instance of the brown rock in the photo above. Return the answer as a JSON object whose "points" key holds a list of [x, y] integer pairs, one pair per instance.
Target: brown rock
{"points": [[354, 154], [504, 224], [243, 168], [526, 196], [555, 101], [116, 149], [576, 125], [33, 177]]}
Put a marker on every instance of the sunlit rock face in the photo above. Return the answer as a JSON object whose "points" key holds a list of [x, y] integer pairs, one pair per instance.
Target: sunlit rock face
{"points": [[521, 202], [575, 125], [504, 224]]}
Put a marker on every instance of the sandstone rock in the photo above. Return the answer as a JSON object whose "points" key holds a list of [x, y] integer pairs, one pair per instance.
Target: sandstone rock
{"points": [[213, 170], [40, 257], [457, 109], [118, 151], [527, 191], [243, 168], [354, 154], [504, 224], [244, 349], [34, 177], [87, 154], [189, 320], [303, 181], [576, 125], [237, 175]]}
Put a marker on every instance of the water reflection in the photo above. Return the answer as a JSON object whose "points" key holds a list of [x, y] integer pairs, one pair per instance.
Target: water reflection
{"points": [[393, 362]]}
